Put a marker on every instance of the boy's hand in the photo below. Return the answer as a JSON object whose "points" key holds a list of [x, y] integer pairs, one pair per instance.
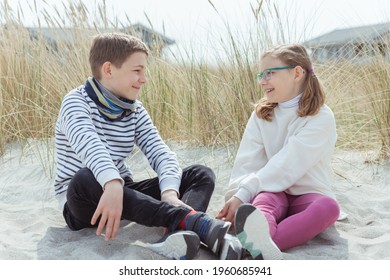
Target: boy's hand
{"points": [[110, 209], [229, 210], [170, 196]]}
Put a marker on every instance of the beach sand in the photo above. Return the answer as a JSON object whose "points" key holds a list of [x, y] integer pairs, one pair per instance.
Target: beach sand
{"points": [[33, 226]]}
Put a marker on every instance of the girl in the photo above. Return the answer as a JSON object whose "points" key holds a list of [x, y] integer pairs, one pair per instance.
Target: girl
{"points": [[282, 174]]}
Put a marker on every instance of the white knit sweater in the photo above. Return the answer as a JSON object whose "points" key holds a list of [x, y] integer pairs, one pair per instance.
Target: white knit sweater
{"points": [[290, 154]]}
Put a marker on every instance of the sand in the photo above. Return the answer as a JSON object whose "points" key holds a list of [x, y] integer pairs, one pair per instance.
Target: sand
{"points": [[33, 227]]}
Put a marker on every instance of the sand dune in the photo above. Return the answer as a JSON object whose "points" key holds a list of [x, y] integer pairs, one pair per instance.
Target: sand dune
{"points": [[33, 227]]}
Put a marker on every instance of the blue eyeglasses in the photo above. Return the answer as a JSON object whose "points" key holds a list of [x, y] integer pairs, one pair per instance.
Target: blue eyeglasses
{"points": [[267, 73]]}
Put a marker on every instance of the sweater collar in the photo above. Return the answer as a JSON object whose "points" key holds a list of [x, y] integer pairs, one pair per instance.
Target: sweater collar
{"points": [[290, 103]]}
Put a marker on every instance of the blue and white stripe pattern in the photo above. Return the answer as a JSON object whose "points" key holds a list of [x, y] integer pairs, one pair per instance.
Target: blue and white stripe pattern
{"points": [[85, 139]]}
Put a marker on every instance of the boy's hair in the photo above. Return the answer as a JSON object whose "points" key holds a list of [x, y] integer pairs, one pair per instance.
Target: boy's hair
{"points": [[115, 48], [313, 96]]}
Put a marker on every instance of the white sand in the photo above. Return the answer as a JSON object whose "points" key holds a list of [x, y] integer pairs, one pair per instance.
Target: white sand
{"points": [[32, 226]]}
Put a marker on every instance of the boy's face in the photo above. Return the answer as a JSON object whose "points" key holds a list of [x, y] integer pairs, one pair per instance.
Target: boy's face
{"points": [[127, 80]]}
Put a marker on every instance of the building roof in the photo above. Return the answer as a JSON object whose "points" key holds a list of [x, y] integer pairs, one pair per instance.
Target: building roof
{"points": [[54, 35], [147, 33], [350, 35]]}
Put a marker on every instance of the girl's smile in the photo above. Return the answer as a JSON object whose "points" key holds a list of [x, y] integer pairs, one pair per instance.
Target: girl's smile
{"points": [[280, 82]]}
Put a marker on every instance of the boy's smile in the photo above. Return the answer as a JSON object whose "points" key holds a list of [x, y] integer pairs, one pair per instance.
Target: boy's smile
{"points": [[127, 80]]}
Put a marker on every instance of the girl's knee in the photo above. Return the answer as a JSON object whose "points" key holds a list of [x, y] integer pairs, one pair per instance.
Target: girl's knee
{"points": [[330, 208], [334, 208], [270, 198]]}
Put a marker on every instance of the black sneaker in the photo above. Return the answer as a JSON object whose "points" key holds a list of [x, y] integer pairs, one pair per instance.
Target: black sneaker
{"points": [[178, 245], [231, 248], [252, 230], [210, 231]]}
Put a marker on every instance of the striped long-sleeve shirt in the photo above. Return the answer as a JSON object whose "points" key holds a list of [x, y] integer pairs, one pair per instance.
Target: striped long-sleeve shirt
{"points": [[83, 138]]}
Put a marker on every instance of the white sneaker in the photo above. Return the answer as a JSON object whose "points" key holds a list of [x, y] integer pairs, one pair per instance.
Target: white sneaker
{"points": [[252, 230], [231, 248], [179, 245]]}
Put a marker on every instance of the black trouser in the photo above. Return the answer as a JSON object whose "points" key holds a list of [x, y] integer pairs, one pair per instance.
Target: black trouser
{"points": [[141, 200]]}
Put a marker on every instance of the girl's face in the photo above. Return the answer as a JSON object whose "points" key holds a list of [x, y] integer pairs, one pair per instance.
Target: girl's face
{"points": [[279, 85]]}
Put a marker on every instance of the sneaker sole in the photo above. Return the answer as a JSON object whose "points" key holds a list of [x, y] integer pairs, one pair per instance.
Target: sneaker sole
{"points": [[252, 230], [216, 247], [181, 245], [231, 248]]}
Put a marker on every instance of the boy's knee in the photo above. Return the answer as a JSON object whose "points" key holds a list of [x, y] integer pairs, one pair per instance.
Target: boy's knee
{"points": [[83, 174], [82, 177], [203, 171]]}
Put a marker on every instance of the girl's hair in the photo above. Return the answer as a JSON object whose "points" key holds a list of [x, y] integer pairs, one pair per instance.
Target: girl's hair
{"points": [[313, 96], [115, 48]]}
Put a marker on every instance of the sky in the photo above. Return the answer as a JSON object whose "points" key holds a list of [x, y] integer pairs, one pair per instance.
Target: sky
{"points": [[198, 24]]}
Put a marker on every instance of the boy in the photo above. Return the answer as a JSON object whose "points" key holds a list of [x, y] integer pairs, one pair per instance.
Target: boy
{"points": [[98, 125]]}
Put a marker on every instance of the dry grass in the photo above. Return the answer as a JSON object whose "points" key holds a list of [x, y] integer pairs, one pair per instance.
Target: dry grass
{"points": [[359, 95], [194, 102]]}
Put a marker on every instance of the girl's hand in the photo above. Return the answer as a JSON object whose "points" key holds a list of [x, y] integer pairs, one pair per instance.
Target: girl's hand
{"points": [[229, 210]]}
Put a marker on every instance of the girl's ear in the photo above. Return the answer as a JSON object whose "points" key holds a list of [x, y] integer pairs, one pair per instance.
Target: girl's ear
{"points": [[106, 69], [299, 73]]}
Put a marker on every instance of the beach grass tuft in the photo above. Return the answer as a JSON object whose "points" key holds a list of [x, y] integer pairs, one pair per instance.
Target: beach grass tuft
{"points": [[188, 99]]}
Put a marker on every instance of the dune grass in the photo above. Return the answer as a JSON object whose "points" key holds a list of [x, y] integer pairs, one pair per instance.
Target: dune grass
{"points": [[191, 101]]}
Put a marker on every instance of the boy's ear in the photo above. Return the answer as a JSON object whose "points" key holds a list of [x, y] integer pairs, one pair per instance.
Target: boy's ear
{"points": [[106, 69]]}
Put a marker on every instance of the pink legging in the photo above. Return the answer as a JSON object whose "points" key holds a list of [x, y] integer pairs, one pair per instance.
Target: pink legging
{"points": [[295, 219]]}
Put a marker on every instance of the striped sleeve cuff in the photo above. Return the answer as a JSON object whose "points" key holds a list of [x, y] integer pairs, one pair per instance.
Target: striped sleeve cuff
{"points": [[109, 175], [170, 184]]}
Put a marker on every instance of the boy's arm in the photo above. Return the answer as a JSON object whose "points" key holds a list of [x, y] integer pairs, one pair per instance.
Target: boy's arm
{"points": [[77, 126], [110, 209], [172, 197], [160, 157], [79, 130]]}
